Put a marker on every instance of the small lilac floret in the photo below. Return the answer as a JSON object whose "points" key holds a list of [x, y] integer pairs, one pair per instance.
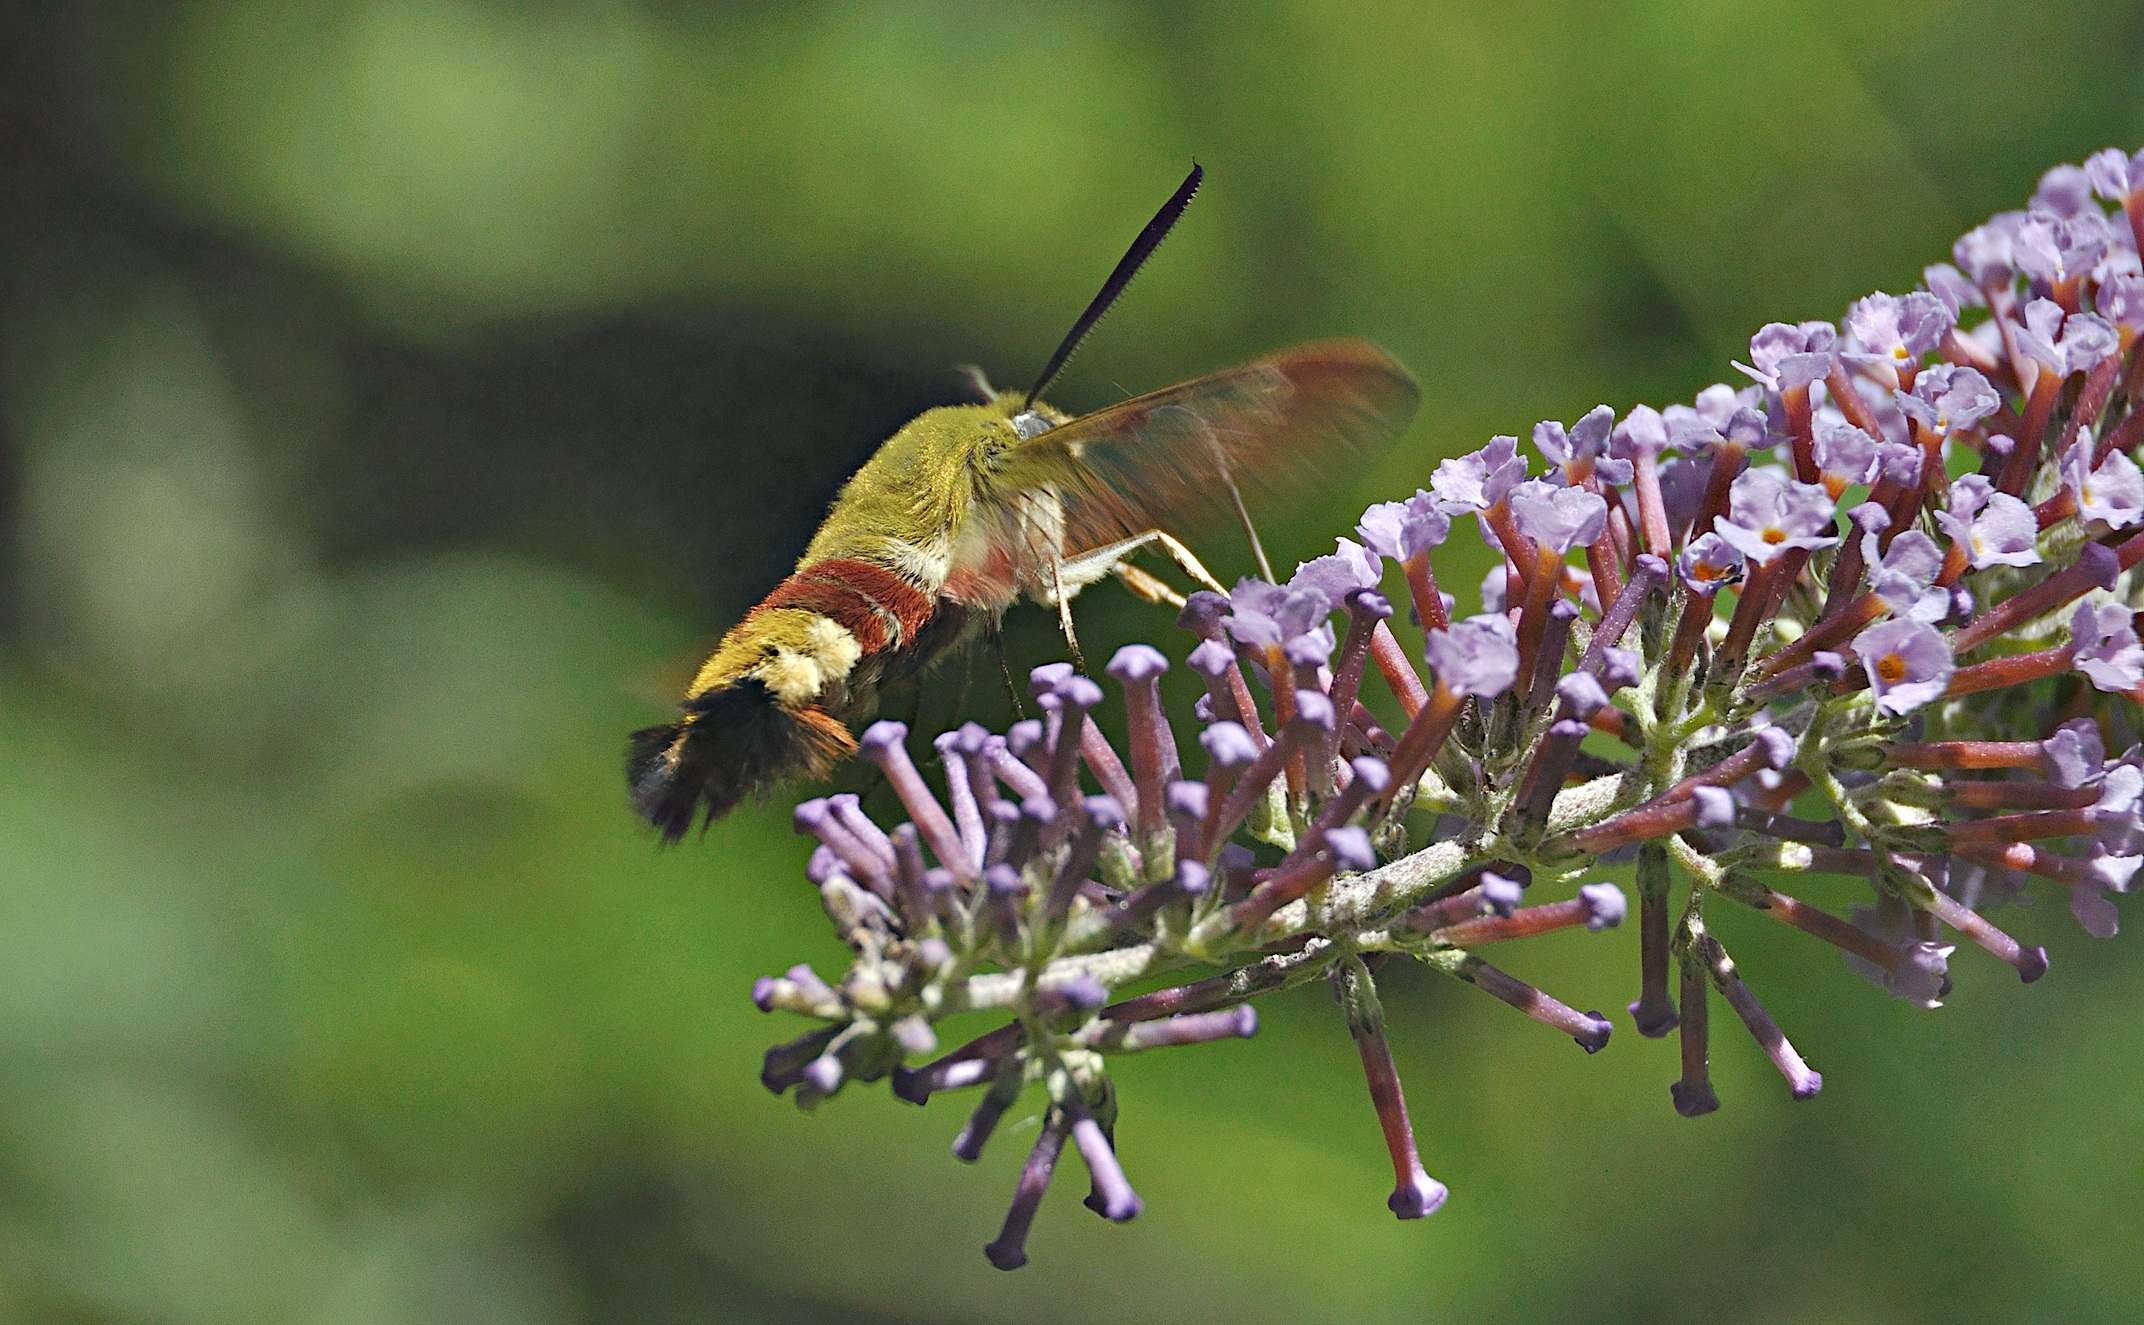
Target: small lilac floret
{"points": [[1769, 515], [1189, 799], [1191, 878], [1477, 656], [1229, 745], [1949, 284], [1351, 567], [1263, 615], [1080, 693], [2112, 491], [1620, 668], [2054, 248], [2064, 343], [1921, 976], [1586, 440], [823, 1074], [2108, 653], [1605, 905], [2121, 796], [1708, 563], [1492, 590], [1480, 479], [1995, 528], [1211, 659], [1350, 849], [1897, 332], [1135, 663], [2064, 191], [1582, 692], [1401, 529], [1312, 648], [2075, 755], [1499, 894], [1313, 708], [1558, 519], [1845, 454], [1202, 614], [1984, 253], [1908, 662], [1905, 575], [1786, 358], [1947, 398], [1715, 807], [1045, 679], [1418, 1197], [2120, 300], [1374, 774], [2113, 173]]}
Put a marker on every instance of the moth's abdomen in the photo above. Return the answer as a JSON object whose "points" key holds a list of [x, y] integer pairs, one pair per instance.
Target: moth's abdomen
{"points": [[768, 707]]}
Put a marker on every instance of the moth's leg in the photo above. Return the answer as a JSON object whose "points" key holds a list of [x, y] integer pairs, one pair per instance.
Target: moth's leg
{"points": [[996, 636], [1192, 567], [1149, 587], [1064, 613]]}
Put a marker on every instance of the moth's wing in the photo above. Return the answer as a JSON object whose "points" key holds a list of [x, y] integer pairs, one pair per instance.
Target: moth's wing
{"points": [[1175, 460]]}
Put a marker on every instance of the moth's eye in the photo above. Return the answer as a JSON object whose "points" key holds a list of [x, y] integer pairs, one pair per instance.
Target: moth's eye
{"points": [[1029, 424]]}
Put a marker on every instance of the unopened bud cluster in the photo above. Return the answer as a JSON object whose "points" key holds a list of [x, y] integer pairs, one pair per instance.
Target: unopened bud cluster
{"points": [[1870, 615]]}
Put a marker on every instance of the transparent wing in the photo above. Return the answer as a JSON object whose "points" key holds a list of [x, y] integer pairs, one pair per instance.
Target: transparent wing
{"points": [[1179, 459]]}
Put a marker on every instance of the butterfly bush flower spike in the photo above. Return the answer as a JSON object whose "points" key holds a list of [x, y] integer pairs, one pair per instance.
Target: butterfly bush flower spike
{"points": [[1871, 617]]}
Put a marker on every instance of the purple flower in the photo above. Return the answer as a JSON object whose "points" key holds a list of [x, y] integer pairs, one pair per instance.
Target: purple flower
{"points": [[1400, 529], [1784, 357], [1479, 479], [2055, 248], [2075, 755], [1587, 440], [1682, 488], [1264, 615], [1768, 515], [1350, 567], [1984, 252], [2113, 174], [1719, 403], [2105, 636], [1643, 433], [1946, 398], [1921, 976], [2120, 831], [1558, 519], [1949, 284], [1492, 590], [2064, 344], [1908, 662], [1845, 455], [2065, 190], [1904, 575], [2120, 300], [1707, 563], [1995, 528], [2114, 491], [1477, 656], [1896, 331]]}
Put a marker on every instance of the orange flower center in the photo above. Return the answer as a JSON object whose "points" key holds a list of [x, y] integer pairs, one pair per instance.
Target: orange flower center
{"points": [[1891, 668], [1775, 536]]}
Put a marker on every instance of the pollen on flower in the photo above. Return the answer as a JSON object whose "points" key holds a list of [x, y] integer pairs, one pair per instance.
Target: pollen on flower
{"points": [[1914, 688]]}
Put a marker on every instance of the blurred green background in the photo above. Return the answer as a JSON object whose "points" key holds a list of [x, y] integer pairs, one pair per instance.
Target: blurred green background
{"points": [[399, 394]]}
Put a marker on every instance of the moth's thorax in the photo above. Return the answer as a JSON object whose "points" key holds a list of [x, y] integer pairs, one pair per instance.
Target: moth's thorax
{"points": [[914, 505]]}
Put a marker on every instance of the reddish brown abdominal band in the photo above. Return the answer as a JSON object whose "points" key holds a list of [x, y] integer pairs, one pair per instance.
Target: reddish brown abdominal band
{"points": [[872, 603]]}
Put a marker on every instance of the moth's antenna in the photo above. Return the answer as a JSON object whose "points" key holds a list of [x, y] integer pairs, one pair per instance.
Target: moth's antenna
{"points": [[1149, 239]]}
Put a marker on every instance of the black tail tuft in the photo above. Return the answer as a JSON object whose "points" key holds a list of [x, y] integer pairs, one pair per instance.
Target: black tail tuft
{"points": [[728, 744]]}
